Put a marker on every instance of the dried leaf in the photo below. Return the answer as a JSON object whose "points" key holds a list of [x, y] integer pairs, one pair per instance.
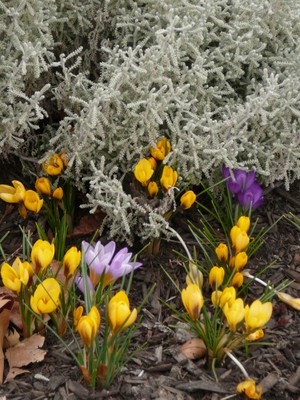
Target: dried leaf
{"points": [[6, 302], [26, 352], [290, 300], [13, 372], [88, 224], [193, 349]]}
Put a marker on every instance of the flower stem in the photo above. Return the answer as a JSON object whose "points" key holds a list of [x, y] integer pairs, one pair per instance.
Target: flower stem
{"points": [[236, 361]]}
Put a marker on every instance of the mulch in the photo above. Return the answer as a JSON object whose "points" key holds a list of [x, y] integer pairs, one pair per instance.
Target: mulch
{"points": [[159, 370]]}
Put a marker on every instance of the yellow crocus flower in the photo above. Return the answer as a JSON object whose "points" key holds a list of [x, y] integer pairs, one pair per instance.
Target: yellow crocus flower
{"points": [[143, 171], [187, 199], [243, 223], [119, 314], [153, 163], [54, 165], [32, 201], [222, 252], [250, 389], [77, 314], [163, 147], [216, 276], [168, 178], [152, 189], [237, 280], [192, 300], [240, 260], [43, 186], [58, 193], [257, 315], [228, 296], [45, 299], [88, 326], [13, 277], [71, 261], [239, 239], [12, 194], [42, 254], [234, 313]]}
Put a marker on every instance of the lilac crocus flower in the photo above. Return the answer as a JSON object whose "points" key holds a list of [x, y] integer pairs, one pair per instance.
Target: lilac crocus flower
{"points": [[121, 265], [80, 284], [103, 264], [251, 197]]}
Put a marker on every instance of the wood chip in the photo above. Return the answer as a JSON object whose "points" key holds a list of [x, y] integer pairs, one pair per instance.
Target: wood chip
{"points": [[206, 385]]}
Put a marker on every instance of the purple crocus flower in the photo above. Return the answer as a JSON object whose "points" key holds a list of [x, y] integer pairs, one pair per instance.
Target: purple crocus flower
{"points": [[103, 264], [240, 180], [251, 197], [244, 186]]}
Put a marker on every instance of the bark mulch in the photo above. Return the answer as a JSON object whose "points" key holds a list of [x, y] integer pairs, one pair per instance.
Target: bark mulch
{"points": [[160, 371]]}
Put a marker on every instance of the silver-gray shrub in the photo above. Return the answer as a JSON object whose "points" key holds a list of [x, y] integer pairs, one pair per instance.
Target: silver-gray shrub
{"points": [[219, 78]]}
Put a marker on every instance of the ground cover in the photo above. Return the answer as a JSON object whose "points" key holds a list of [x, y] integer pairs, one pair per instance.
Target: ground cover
{"points": [[160, 370]]}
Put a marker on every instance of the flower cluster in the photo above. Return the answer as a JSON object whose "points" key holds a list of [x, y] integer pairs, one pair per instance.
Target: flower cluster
{"points": [[158, 177], [244, 186], [35, 284], [232, 259], [105, 265], [17, 194]]}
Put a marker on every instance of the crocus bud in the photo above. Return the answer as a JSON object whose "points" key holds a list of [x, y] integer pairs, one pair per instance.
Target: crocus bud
{"points": [[42, 254], [153, 163], [240, 260], [143, 171], [239, 239], [43, 186], [119, 314], [222, 252], [58, 193], [152, 189], [88, 326], [216, 277], [71, 261], [228, 296], [187, 199], [32, 201], [168, 178], [237, 280], [234, 313], [192, 300], [243, 223]]}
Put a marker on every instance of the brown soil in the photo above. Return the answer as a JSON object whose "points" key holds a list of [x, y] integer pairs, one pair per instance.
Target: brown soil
{"points": [[160, 371]]}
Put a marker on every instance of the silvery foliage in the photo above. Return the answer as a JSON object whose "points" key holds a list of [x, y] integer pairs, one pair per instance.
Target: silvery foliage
{"points": [[220, 78]]}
